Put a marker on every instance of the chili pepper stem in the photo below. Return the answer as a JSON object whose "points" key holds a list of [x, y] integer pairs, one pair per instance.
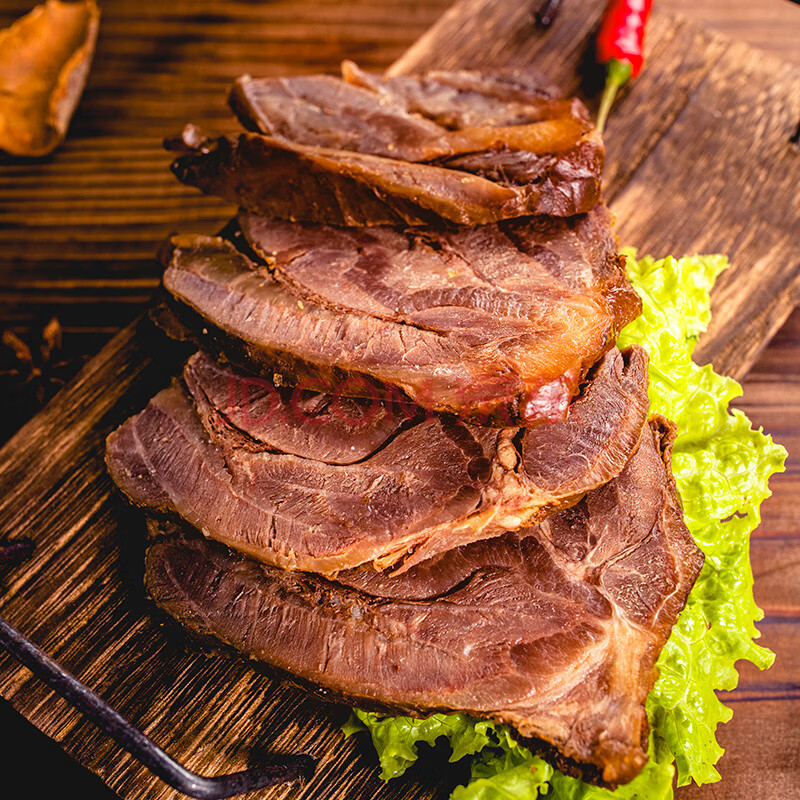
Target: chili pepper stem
{"points": [[607, 100], [619, 73]]}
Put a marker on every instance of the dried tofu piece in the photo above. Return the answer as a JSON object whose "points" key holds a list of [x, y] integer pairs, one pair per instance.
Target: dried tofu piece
{"points": [[44, 62]]}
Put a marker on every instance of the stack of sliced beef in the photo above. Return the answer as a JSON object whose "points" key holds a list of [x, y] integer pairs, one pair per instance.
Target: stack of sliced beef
{"points": [[408, 464]]}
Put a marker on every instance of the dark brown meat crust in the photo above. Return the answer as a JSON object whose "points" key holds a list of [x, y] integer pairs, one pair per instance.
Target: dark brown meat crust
{"points": [[554, 630], [286, 180], [309, 482]]}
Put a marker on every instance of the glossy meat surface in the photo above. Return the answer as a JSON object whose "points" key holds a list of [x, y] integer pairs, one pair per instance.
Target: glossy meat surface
{"points": [[496, 323]]}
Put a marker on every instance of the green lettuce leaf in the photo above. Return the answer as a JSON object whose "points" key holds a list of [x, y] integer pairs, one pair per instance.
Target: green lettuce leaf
{"points": [[502, 770], [722, 468], [396, 738]]}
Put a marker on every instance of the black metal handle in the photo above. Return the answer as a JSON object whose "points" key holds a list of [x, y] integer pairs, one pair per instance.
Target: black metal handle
{"points": [[295, 768]]}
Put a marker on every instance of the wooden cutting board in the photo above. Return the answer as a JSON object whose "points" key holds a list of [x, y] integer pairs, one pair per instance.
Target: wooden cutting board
{"points": [[699, 160]]}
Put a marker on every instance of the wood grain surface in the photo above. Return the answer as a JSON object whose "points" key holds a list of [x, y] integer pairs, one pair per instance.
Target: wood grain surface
{"points": [[708, 124]]}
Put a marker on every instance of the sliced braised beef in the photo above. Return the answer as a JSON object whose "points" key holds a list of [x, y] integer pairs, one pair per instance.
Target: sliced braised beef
{"points": [[495, 323], [307, 482], [416, 374], [508, 127], [553, 630], [404, 118]]}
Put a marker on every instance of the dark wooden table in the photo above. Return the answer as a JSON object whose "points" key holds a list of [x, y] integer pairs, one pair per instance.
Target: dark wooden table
{"points": [[81, 248]]}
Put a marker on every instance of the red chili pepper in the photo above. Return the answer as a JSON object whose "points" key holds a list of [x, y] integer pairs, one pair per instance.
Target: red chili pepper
{"points": [[620, 44]]}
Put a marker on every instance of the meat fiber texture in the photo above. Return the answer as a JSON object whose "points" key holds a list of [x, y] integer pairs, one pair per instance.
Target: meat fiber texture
{"points": [[497, 324], [308, 481], [553, 630], [458, 147]]}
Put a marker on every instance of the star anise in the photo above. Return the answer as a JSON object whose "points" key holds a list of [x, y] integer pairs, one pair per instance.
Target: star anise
{"points": [[30, 374]]}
